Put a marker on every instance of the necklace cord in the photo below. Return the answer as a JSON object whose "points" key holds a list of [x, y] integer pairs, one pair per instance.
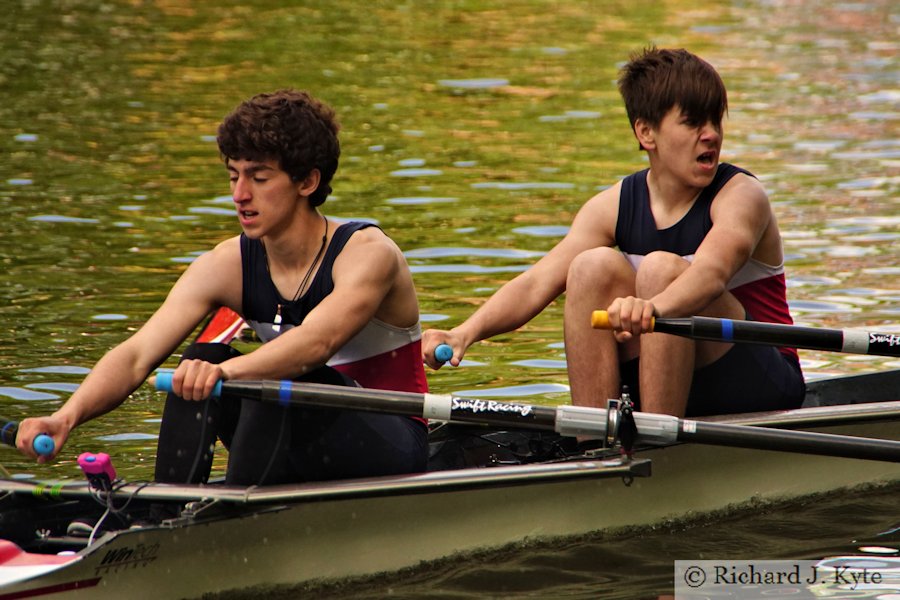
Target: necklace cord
{"points": [[314, 262], [312, 266]]}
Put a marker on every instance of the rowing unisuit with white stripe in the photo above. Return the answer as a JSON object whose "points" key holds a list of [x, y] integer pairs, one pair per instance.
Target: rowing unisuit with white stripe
{"points": [[759, 287], [379, 356]]}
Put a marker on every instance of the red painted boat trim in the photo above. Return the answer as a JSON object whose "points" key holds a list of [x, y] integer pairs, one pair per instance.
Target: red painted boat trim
{"points": [[52, 589], [224, 325]]}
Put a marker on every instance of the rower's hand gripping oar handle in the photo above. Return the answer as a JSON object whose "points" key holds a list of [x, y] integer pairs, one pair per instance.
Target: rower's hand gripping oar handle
{"points": [[42, 443], [600, 320], [443, 353], [164, 384]]}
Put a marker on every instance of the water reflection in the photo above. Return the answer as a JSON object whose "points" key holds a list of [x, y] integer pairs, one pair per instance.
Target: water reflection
{"points": [[60, 369], [126, 437], [515, 391], [551, 231], [25, 394], [523, 185], [540, 363], [483, 83], [54, 387], [472, 134], [417, 200], [416, 172], [472, 252], [61, 219]]}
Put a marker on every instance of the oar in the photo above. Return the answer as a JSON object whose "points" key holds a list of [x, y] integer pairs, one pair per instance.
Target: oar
{"points": [[773, 334], [652, 429], [42, 443]]}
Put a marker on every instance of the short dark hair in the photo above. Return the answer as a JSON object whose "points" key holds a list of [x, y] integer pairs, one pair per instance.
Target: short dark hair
{"points": [[289, 126], [656, 80]]}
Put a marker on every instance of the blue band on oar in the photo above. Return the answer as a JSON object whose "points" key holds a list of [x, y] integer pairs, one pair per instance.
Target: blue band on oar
{"points": [[727, 330], [284, 393], [4, 433]]}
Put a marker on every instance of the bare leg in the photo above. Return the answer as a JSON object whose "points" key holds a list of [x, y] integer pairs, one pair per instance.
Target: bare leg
{"points": [[668, 362], [595, 278]]}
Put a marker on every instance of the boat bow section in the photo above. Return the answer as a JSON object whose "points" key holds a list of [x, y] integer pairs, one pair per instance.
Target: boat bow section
{"points": [[17, 565]]}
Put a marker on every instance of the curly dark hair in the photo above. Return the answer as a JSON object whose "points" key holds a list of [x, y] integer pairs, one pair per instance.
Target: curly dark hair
{"points": [[656, 80], [289, 126]]}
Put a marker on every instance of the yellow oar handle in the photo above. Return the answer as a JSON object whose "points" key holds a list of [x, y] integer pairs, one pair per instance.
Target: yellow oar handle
{"points": [[600, 320]]}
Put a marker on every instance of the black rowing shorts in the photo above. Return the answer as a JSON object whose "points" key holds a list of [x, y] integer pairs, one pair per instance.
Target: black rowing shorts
{"points": [[748, 378]]}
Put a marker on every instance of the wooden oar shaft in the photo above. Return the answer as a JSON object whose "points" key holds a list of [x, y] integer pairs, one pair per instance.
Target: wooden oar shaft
{"points": [[652, 428], [773, 334]]}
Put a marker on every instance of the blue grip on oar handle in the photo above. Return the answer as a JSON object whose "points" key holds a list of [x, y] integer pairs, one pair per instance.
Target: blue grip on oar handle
{"points": [[164, 384], [443, 353], [43, 444]]}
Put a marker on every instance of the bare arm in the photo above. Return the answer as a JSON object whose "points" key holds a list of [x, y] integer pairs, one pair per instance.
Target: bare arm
{"points": [[126, 366], [522, 298], [370, 279], [742, 217]]}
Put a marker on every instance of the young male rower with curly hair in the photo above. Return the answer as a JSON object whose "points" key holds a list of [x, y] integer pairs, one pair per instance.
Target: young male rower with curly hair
{"points": [[332, 302], [688, 236]]}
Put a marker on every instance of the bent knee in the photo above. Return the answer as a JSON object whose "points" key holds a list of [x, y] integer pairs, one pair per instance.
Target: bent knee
{"points": [[657, 270], [598, 266]]}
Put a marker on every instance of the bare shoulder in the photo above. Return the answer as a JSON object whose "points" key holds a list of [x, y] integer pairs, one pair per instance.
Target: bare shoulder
{"points": [[372, 266], [223, 255], [229, 248], [596, 219], [370, 249], [374, 239], [217, 275], [743, 188], [742, 215]]}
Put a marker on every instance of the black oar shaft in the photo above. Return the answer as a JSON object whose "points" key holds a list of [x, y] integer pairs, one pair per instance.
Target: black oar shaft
{"points": [[773, 334], [805, 442], [501, 414], [708, 328], [8, 432], [654, 429]]}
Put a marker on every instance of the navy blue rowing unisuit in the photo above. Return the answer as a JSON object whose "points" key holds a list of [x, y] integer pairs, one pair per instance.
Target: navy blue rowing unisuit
{"points": [[748, 378], [271, 444], [380, 356]]}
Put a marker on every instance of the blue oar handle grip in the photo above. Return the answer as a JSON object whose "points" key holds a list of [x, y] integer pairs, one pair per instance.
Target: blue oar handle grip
{"points": [[443, 353], [43, 444], [164, 384]]}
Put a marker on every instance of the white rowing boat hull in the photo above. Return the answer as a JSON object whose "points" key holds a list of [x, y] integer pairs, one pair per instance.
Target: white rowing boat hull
{"points": [[291, 535], [338, 530]]}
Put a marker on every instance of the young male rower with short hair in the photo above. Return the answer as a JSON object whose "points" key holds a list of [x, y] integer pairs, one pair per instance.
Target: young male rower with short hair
{"points": [[317, 292], [688, 236]]}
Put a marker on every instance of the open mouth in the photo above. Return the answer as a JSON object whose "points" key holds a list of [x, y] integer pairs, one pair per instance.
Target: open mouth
{"points": [[707, 158]]}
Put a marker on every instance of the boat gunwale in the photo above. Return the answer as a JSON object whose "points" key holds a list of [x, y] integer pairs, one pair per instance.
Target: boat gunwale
{"points": [[834, 415], [430, 482]]}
